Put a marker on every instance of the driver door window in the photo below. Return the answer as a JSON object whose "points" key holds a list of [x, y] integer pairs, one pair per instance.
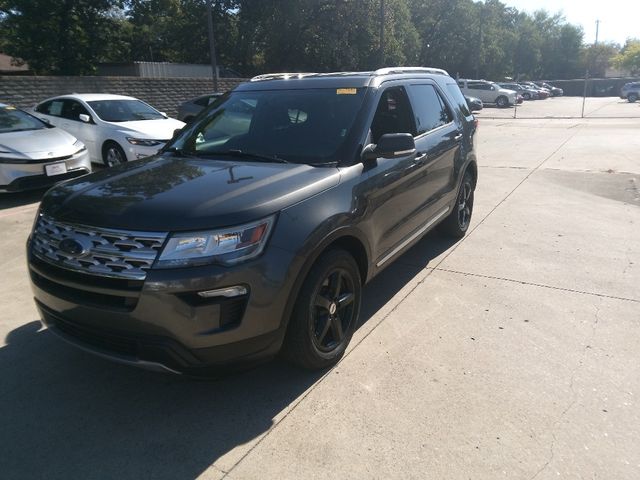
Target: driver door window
{"points": [[393, 115]]}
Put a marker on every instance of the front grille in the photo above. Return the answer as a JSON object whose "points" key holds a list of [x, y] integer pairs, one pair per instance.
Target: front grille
{"points": [[105, 252]]}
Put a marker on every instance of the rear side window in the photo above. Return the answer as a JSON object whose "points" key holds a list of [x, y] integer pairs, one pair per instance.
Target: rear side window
{"points": [[52, 107], [430, 109], [203, 102], [458, 98]]}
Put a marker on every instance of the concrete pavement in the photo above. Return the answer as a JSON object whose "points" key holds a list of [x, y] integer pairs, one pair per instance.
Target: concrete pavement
{"points": [[513, 353]]}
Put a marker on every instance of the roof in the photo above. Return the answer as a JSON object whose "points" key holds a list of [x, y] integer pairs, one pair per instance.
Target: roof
{"points": [[339, 79], [90, 97]]}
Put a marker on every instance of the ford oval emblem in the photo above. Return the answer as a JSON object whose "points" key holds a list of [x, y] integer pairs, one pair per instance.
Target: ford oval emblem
{"points": [[75, 246]]}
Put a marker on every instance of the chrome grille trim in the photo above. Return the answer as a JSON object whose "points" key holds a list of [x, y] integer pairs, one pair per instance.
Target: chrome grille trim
{"points": [[113, 253]]}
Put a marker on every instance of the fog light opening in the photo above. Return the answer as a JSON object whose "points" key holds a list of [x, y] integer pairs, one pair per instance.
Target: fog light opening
{"points": [[228, 292]]}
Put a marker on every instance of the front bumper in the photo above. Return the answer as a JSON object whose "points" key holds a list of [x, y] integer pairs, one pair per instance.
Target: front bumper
{"points": [[162, 322], [15, 177], [136, 152]]}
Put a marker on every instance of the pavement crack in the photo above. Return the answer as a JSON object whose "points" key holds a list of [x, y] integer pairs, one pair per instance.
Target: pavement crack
{"points": [[533, 284], [574, 394]]}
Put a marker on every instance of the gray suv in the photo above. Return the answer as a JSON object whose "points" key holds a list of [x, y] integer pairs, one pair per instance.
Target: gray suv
{"points": [[254, 230], [630, 91]]}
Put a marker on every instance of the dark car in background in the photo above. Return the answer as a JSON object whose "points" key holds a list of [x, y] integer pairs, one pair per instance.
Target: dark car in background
{"points": [[527, 93], [630, 91], [255, 229], [555, 91], [188, 110], [474, 104]]}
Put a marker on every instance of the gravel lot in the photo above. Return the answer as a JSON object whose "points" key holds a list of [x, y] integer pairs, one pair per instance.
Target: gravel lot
{"points": [[513, 353]]}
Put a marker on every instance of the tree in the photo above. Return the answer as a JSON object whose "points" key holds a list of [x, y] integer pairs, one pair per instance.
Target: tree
{"points": [[629, 57], [61, 36]]}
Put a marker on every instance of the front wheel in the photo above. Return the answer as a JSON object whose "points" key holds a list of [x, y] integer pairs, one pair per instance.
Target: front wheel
{"points": [[112, 154], [632, 97], [502, 102], [457, 222], [326, 312]]}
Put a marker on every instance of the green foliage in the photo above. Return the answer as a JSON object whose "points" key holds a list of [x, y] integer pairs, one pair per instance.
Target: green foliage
{"points": [[629, 57], [61, 36], [484, 39]]}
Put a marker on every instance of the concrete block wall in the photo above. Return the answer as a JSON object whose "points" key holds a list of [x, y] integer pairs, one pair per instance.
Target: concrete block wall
{"points": [[165, 94]]}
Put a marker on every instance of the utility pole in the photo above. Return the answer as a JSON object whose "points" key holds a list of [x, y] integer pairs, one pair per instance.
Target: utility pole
{"points": [[597, 30], [212, 45], [381, 33]]}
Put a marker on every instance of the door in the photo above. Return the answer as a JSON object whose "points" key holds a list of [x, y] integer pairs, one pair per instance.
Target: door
{"points": [[51, 111], [438, 140], [84, 131], [397, 186]]}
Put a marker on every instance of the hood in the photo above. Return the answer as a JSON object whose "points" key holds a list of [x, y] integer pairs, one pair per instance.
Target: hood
{"points": [[166, 193], [37, 144], [161, 129]]}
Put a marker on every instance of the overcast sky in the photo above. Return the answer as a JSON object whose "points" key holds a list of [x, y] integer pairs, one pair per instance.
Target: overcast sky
{"points": [[619, 19]]}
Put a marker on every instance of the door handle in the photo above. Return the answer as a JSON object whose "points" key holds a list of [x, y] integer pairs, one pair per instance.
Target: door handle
{"points": [[458, 137], [421, 158]]}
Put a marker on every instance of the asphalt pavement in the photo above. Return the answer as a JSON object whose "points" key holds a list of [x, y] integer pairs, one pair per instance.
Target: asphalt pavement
{"points": [[513, 353]]}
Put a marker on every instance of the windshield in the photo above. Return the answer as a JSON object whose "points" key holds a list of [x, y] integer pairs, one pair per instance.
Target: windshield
{"points": [[124, 110], [301, 126], [14, 120]]}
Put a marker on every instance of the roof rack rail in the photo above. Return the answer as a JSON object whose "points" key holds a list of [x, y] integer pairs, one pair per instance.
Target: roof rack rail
{"points": [[280, 76], [390, 70]]}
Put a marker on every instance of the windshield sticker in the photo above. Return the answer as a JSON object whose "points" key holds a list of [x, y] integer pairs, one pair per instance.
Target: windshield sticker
{"points": [[347, 91]]}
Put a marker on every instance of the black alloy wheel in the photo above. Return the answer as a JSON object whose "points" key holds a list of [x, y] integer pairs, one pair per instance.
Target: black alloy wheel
{"points": [[456, 224], [332, 310], [502, 101], [325, 313]]}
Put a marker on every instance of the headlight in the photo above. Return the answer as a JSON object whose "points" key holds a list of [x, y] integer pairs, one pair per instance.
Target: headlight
{"points": [[226, 246], [80, 146], [144, 142]]}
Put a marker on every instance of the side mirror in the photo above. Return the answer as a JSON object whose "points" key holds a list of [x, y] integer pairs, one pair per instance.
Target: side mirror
{"points": [[83, 117], [164, 114], [390, 145]]}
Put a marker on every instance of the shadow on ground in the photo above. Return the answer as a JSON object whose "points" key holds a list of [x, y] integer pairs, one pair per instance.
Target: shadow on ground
{"points": [[67, 414], [18, 199]]}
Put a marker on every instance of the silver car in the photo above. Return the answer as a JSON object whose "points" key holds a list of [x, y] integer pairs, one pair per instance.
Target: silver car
{"points": [[34, 154]]}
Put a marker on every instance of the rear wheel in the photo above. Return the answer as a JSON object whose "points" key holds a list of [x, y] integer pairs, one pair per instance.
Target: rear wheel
{"points": [[502, 101], [112, 154], [457, 222], [632, 97], [326, 312], [526, 96]]}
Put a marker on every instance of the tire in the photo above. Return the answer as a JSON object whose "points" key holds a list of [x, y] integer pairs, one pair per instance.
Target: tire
{"points": [[526, 96], [320, 327], [112, 154], [632, 97], [457, 222], [502, 101]]}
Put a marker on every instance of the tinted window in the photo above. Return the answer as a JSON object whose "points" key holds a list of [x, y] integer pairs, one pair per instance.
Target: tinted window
{"points": [[429, 107], [457, 96], [479, 86], [52, 107], [72, 109], [203, 102], [302, 126], [393, 114]]}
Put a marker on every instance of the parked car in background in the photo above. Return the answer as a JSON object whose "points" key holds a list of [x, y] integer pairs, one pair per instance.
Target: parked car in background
{"points": [[630, 91], [543, 93], [188, 110], [488, 92], [526, 92], [34, 154], [474, 104], [555, 91], [115, 128], [243, 239]]}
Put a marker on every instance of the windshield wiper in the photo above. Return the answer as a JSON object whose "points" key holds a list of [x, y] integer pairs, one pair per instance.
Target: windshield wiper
{"points": [[242, 154]]}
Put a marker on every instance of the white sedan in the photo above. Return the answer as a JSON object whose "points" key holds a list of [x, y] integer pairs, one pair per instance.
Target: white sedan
{"points": [[114, 128]]}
